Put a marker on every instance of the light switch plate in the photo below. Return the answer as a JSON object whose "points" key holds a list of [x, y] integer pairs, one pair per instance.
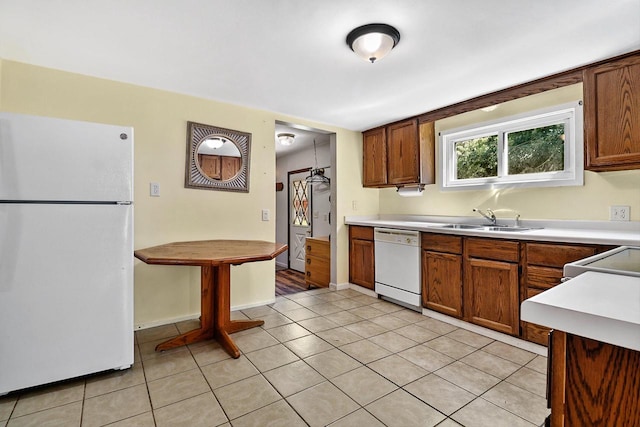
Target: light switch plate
{"points": [[265, 214], [154, 189]]}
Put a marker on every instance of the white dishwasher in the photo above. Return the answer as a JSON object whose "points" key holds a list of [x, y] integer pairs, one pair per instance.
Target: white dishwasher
{"points": [[397, 265]]}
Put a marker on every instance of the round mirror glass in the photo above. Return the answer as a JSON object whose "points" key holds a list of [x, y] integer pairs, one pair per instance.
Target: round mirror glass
{"points": [[218, 158]]}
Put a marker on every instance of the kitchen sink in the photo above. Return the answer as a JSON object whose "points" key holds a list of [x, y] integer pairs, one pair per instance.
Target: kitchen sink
{"points": [[486, 227], [505, 228]]}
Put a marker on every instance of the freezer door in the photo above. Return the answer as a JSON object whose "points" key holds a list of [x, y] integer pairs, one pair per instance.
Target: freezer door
{"points": [[66, 292], [43, 158]]}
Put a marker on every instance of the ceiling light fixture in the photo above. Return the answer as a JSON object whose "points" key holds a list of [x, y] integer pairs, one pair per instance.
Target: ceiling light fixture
{"points": [[372, 42], [214, 143], [286, 138]]}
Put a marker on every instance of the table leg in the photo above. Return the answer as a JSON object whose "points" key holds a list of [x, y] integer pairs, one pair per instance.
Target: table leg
{"points": [[215, 318], [223, 324], [206, 330]]}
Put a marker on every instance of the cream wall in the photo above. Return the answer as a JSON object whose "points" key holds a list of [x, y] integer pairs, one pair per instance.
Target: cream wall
{"points": [[166, 293], [588, 202]]}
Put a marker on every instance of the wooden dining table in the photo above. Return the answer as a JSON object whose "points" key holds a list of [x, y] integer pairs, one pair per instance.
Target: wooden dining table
{"points": [[215, 258]]}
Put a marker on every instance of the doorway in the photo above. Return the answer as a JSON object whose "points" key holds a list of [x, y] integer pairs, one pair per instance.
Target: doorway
{"points": [[302, 209]]}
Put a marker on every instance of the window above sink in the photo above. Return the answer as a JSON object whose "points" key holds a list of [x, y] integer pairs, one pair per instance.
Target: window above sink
{"points": [[539, 148]]}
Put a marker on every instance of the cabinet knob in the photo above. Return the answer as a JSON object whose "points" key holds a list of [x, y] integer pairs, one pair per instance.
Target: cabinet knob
{"points": [[308, 248], [308, 274], [308, 260]]}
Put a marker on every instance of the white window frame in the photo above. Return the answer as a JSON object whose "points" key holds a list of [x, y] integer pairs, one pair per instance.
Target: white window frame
{"points": [[570, 114]]}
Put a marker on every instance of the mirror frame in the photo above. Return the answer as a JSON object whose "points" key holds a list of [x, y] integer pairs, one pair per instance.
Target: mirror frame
{"points": [[195, 178]]}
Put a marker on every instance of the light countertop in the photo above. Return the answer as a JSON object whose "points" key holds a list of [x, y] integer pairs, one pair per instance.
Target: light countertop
{"points": [[600, 306], [587, 232]]}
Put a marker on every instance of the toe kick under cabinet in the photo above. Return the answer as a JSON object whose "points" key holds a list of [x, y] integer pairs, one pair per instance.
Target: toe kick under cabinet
{"points": [[317, 261]]}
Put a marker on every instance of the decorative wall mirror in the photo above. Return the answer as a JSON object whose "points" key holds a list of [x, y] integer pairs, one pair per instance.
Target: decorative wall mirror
{"points": [[217, 158]]}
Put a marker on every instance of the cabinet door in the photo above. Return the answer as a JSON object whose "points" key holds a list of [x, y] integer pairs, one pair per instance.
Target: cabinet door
{"points": [[491, 294], [611, 110], [403, 153], [374, 152], [442, 282], [361, 259]]}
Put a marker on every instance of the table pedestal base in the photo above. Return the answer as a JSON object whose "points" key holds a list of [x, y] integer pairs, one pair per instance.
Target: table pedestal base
{"points": [[215, 322]]}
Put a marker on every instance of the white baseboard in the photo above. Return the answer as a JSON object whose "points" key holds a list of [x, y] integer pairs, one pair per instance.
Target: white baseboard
{"points": [[339, 286], [169, 321], [498, 336], [362, 290], [162, 322], [257, 304]]}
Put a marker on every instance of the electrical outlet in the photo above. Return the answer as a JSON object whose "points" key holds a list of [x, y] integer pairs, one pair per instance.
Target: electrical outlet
{"points": [[619, 213], [154, 189], [354, 205], [265, 214]]}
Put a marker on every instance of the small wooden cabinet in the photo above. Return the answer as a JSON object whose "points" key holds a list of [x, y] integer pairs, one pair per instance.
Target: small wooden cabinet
{"points": [[317, 261], [543, 264], [374, 166], [442, 273], [611, 111], [361, 256], [592, 383], [399, 154], [403, 153], [491, 284]]}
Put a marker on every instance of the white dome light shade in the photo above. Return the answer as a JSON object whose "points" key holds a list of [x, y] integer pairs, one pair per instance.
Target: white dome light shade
{"points": [[214, 143], [372, 42], [286, 138]]}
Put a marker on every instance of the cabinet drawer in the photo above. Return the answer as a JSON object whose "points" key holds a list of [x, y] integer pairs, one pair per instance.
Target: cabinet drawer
{"points": [[317, 270], [543, 277], [442, 243], [537, 334], [318, 248], [501, 250], [359, 232], [556, 255]]}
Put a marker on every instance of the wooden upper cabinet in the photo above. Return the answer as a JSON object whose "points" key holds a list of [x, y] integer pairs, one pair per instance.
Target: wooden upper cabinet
{"points": [[611, 111], [374, 149], [399, 154], [403, 152]]}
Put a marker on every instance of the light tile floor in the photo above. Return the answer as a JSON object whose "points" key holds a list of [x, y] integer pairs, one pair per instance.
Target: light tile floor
{"points": [[337, 358]]}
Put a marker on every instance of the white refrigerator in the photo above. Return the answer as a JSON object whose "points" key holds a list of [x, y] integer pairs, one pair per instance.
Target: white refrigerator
{"points": [[66, 249]]}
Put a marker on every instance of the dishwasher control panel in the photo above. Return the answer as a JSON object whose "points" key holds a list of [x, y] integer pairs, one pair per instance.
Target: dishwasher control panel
{"points": [[400, 237]]}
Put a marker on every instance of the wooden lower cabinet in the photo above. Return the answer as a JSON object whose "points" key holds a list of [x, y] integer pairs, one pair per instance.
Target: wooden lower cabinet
{"points": [[361, 256], [442, 273], [317, 261], [491, 294], [491, 284], [591, 383], [543, 264]]}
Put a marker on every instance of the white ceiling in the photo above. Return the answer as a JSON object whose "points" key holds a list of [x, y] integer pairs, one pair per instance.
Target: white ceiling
{"points": [[290, 56]]}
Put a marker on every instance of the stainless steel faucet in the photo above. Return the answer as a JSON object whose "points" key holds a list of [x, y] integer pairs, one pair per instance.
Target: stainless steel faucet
{"points": [[491, 216]]}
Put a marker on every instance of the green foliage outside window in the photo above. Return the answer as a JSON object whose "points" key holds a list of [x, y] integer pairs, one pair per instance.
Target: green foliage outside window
{"points": [[536, 150], [530, 151], [477, 157]]}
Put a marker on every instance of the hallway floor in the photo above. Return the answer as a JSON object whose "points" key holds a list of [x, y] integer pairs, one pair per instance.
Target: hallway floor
{"points": [[323, 357]]}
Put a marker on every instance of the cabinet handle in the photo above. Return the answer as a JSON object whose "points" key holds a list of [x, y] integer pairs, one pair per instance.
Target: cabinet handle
{"points": [[308, 248], [308, 260], [308, 274]]}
